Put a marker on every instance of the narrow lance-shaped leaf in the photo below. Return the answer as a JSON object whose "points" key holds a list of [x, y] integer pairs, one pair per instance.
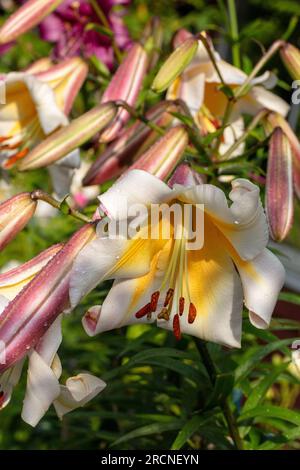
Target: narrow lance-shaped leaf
{"points": [[26, 17], [68, 138], [279, 186]]}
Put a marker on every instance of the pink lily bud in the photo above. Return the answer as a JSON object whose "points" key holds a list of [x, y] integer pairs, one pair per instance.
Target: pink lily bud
{"points": [[68, 138], [290, 56], [25, 18], [15, 213], [279, 186], [29, 315], [133, 141], [181, 36], [161, 159], [276, 120], [175, 64], [186, 176], [125, 85], [13, 281]]}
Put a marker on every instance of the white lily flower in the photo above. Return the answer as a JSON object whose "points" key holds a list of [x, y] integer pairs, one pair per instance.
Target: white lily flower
{"points": [[195, 291], [199, 86]]}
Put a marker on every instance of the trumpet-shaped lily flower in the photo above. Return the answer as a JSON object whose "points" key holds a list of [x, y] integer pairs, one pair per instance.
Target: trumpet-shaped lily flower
{"points": [[199, 85], [37, 103], [15, 213], [37, 332], [194, 289]]}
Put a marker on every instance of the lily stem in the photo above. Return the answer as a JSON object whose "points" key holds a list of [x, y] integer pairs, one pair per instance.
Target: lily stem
{"points": [[101, 15], [40, 195], [227, 412], [234, 32]]}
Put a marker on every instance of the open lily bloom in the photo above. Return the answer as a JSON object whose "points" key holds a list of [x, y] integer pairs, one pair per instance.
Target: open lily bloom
{"points": [[199, 84], [194, 290], [37, 103], [44, 368]]}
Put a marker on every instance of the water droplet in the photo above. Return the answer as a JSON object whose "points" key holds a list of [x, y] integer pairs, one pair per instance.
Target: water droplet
{"points": [[27, 347], [236, 222]]}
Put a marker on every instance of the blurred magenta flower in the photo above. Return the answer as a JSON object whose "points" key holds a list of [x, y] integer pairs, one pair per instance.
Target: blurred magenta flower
{"points": [[67, 28]]}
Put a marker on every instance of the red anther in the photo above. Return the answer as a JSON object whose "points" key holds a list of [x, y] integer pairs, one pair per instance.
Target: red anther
{"points": [[2, 398], [169, 297], [176, 327], [181, 305], [192, 313], [154, 300], [142, 312], [4, 138], [11, 146], [14, 158]]}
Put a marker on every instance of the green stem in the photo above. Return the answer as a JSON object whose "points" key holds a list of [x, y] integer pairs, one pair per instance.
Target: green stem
{"points": [[40, 195], [260, 64], [205, 42], [233, 24], [101, 15], [227, 412]]}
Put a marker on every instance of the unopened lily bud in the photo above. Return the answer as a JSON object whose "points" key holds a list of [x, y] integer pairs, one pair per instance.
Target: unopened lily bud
{"points": [[175, 64], [276, 120], [125, 85], [133, 141], [29, 315], [13, 281], [26, 17], [186, 176], [161, 159], [15, 213], [181, 36], [279, 186], [290, 56], [68, 138]]}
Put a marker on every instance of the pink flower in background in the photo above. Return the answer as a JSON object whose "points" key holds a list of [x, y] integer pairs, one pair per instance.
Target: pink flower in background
{"points": [[67, 28]]}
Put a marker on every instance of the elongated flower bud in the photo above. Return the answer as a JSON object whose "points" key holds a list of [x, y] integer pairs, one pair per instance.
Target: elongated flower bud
{"points": [[119, 154], [161, 159], [12, 281], [279, 186], [186, 176], [175, 64], [276, 120], [14, 215], [290, 56], [26, 318], [26, 17], [68, 138], [125, 85]]}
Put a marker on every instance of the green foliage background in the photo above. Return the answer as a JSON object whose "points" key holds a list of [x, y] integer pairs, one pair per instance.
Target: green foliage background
{"points": [[159, 395]]}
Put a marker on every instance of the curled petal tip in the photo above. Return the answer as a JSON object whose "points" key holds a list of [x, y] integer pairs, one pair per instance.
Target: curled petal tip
{"points": [[68, 138], [25, 18], [279, 186], [175, 64], [15, 213]]}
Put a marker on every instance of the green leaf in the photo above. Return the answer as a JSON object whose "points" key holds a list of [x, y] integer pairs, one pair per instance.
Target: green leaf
{"points": [[259, 390], [222, 388], [290, 297], [156, 428], [272, 411], [188, 430], [244, 369]]}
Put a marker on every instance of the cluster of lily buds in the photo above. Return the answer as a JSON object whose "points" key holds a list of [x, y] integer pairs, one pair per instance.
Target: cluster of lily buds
{"points": [[15, 213], [279, 186], [132, 143], [26, 17], [290, 56]]}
